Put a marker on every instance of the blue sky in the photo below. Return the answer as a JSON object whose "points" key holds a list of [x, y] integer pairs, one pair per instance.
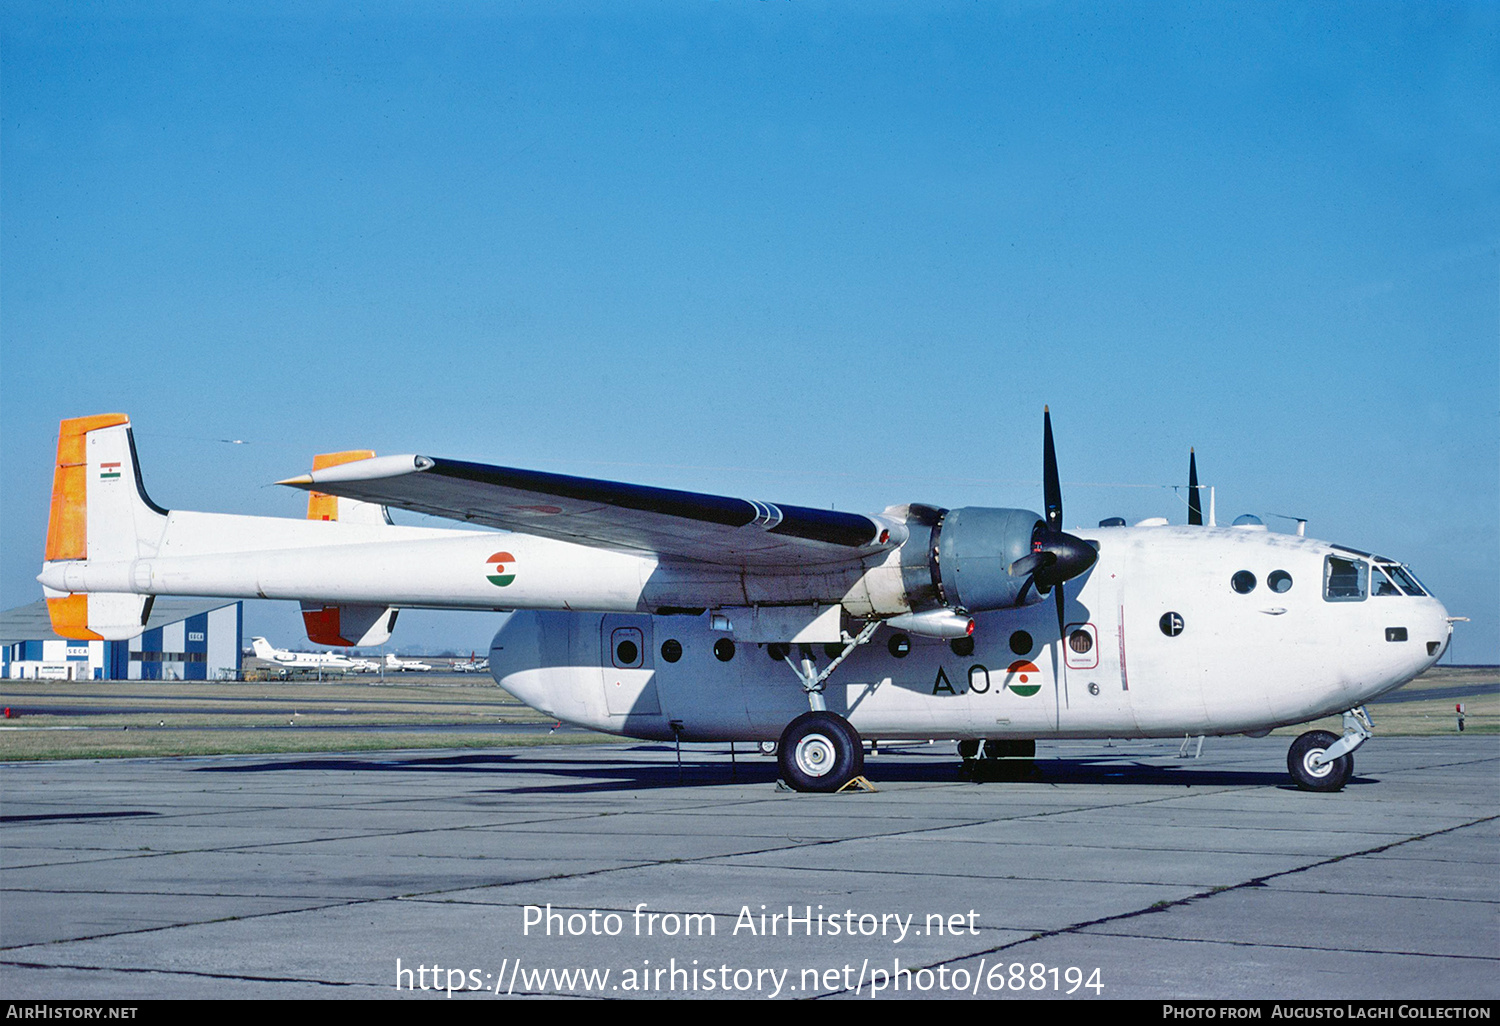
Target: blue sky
{"points": [[828, 254]]}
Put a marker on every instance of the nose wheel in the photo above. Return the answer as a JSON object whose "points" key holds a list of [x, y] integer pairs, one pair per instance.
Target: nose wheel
{"points": [[1310, 766], [820, 751]]}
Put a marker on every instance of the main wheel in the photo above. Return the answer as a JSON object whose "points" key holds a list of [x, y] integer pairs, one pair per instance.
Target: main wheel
{"points": [[1304, 763], [994, 749], [820, 751]]}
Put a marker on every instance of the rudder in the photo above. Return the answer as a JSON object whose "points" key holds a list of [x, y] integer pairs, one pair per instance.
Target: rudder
{"points": [[99, 511]]}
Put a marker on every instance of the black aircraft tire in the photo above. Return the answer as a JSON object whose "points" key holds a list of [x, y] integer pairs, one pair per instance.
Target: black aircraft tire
{"points": [[820, 751], [1331, 776], [1008, 749]]}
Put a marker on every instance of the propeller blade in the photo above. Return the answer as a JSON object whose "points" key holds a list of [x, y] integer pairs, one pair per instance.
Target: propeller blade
{"points": [[1051, 489], [1195, 508], [1062, 601], [1029, 564], [1055, 557]]}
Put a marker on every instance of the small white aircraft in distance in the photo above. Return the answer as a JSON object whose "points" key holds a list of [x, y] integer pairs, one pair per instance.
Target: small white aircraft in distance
{"points": [[662, 614], [392, 663], [473, 664], [265, 652]]}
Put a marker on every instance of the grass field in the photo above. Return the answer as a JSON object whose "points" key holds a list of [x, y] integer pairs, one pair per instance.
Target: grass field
{"points": [[116, 719]]}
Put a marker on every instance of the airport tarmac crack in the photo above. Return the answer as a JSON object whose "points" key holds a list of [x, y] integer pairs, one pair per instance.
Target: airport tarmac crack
{"points": [[1213, 892]]}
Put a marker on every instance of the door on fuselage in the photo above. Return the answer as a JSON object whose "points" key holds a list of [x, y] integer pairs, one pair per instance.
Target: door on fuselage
{"points": [[1094, 690], [628, 665]]}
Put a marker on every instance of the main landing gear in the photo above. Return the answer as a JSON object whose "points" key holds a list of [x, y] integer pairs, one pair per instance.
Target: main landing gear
{"points": [[1320, 760], [1003, 759], [820, 750]]}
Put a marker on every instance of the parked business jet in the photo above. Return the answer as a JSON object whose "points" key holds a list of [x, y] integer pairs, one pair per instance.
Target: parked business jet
{"points": [[656, 613], [307, 660], [398, 665]]}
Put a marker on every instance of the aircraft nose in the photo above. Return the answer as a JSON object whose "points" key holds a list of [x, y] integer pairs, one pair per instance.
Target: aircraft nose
{"points": [[1437, 630], [515, 649]]}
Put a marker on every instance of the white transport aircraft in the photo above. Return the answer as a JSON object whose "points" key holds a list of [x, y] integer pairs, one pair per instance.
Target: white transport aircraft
{"points": [[664, 614], [392, 663]]}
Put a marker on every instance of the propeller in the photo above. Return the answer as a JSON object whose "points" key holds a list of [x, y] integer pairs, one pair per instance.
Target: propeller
{"points": [[1056, 557], [1195, 507]]}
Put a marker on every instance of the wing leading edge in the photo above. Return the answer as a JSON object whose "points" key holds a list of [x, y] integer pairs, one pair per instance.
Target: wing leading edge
{"points": [[687, 525]]}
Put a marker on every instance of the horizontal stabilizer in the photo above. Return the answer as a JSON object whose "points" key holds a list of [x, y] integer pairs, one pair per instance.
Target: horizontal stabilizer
{"points": [[349, 626]]}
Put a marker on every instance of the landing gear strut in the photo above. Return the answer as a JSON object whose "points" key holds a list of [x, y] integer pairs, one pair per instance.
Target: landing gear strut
{"points": [[820, 750]]}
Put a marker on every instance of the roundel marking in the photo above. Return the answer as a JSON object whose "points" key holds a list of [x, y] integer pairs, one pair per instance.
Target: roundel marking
{"points": [[500, 578], [1019, 677]]}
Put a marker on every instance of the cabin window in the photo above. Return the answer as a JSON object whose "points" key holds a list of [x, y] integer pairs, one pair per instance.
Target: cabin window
{"points": [[1243, 582], [1020, 643], [627, 648], [778, 651], [1395, 634], [723, 650], [900, 645], [1344, 579], [1280, 582], [671, 650], [962, 646]]}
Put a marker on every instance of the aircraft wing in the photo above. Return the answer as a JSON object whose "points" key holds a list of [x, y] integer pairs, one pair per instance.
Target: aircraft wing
{"points": [[688, 525]]}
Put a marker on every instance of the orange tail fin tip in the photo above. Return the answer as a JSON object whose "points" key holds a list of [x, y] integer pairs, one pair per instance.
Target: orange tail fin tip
{"points": [[321, 505], [67, 525]]}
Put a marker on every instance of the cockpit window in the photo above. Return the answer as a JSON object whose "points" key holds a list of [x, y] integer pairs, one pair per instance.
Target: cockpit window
{"points": [[1380, 584], [1390, 578], [1344, 579]]}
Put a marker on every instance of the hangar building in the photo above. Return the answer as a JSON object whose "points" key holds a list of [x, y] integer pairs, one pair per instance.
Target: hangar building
{"points": [[185, 639]]}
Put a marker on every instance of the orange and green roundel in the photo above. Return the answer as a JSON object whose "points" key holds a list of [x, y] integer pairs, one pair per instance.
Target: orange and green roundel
{"points": [[1019, 676], [501, 577]]}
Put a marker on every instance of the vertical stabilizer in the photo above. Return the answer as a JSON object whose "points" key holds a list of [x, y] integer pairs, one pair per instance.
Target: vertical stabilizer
{"points": [[346, 625], [322, 506], [100, 511]]}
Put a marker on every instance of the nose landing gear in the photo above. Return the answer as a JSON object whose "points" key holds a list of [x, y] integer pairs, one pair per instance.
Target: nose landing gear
{"points": [[1320, 760]]}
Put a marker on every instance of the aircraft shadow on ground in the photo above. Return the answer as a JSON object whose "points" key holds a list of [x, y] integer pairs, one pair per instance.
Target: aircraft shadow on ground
{"points": [[606, 774]]}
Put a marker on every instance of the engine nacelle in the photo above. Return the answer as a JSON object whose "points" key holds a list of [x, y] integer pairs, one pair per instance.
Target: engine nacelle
{"points": [[971, 553]]}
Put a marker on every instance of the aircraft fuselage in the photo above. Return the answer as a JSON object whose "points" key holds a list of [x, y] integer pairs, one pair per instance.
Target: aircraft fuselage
{"points": [[1160, 642]]}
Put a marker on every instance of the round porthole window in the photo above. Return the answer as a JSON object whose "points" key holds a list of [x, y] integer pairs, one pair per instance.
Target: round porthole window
{"points": [[671, 650], [1280, 582], [626, 653], [899, 645], [778, 651], [1171, 624], [1243, 582], [1020, 643], [962, 646], [1080, 642], [723, 650]]}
